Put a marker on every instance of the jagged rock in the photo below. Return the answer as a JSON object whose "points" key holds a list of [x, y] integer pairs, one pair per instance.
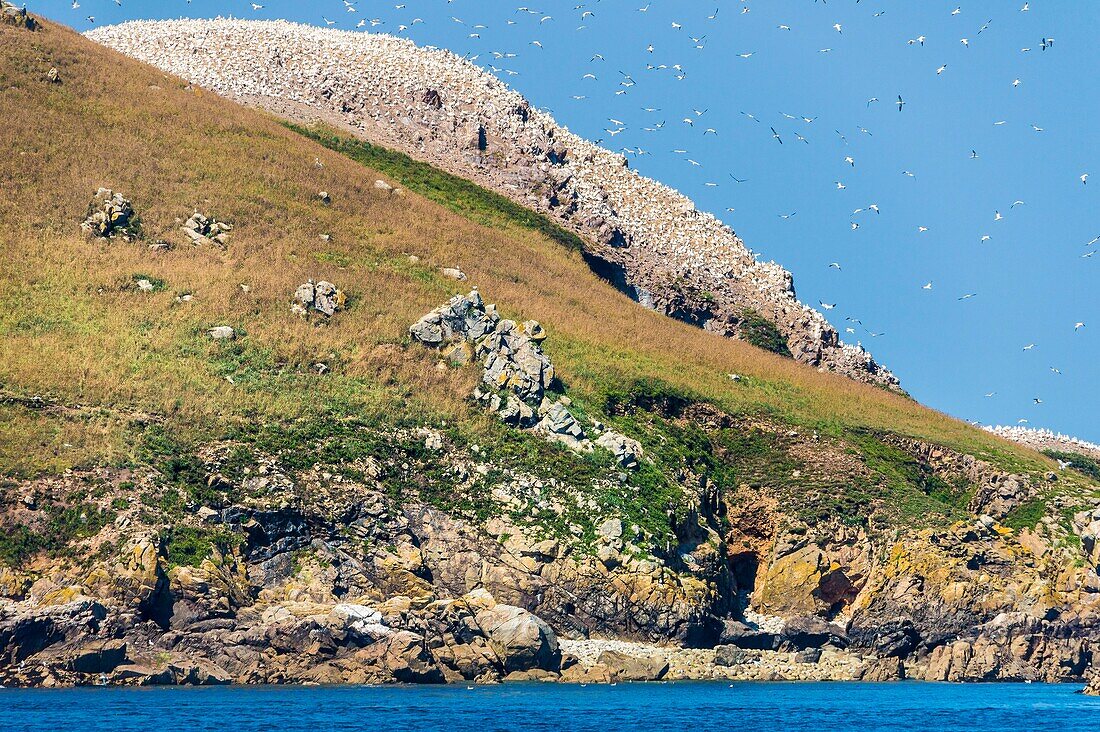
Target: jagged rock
{"points": [[627, 667], [321, 297], [201, 229], [325, 197], [98, 657], [560, 425], [53, 75], [516, 373], [110, 215], [37, 628], [1093, 688], [222, 333], [891, 639], [12, 15], [627, 451]]}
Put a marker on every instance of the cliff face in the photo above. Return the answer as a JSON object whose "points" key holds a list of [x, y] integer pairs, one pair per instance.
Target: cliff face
{"points": [[321, 574], [645, 237]]}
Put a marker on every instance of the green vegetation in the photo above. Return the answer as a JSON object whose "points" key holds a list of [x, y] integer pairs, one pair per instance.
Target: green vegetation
{"points": [[1027, 515], [763, 333], [458, 194], [188, 546], [1076, 461], [63, 523], [908, 489]]}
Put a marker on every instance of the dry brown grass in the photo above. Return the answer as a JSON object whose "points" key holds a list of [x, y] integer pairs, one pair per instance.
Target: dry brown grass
{"points": [[73, 329]]}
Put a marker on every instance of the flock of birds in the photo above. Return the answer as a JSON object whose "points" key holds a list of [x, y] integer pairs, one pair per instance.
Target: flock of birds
{"points": [[797, 130]]}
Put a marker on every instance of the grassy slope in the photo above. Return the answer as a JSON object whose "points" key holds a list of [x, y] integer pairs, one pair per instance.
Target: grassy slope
{"points": [[74, 328]]}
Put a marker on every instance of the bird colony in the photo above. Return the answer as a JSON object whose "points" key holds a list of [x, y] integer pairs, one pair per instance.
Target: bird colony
{"points": [[647, 238], [1041, 439]]}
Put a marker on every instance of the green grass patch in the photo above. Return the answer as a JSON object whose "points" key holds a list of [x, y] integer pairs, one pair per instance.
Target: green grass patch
{"points": [[1026, 515], [762, 333], [188, 546], [1076, 461], [478, 204]]}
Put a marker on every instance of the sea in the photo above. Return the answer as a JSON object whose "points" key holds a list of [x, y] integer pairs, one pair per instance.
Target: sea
{"points": [[681, 706]]}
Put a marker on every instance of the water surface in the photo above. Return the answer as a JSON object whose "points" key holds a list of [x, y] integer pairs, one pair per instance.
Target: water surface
{"points": [[682, 706]]}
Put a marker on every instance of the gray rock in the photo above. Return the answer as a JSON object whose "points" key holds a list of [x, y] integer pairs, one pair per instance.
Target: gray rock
{"points": [[883, 669], [610, 530], [813, 632], [522, 640], [321, 297], [731, 656], [454, 273], [110, 215], [627, 452], [808, 655], [202, 229], [740, 635], [222, 333]]}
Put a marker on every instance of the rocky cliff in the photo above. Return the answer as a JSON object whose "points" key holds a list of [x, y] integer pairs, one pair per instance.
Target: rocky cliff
{"points": [[279, 571], [646, 238]]}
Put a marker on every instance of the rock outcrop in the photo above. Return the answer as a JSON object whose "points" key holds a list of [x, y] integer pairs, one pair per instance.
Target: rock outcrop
{"points": [[10, 14], [110, 215], [318, 297], [202, 229], [1093, 688], [516, 374], [644, 237]]}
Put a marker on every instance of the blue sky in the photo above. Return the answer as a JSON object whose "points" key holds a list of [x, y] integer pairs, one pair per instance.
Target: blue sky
{"points": [[1031, 280]]}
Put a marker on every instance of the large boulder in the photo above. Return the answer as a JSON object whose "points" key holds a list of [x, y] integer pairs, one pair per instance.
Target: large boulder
{"points": [[730, 655], [98, 657], [813, 632], [521, 640], [739, 635], [35, 629], [642, 666]]}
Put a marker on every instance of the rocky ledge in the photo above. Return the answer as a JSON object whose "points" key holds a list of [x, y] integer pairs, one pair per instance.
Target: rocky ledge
{"points": [[646, 238]]}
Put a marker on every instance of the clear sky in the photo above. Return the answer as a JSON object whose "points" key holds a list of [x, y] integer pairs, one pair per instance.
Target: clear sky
{"points": [[1005, 121]]}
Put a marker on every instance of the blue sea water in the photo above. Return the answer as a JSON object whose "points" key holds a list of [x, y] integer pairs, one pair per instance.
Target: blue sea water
{"points": [[683, 706]]}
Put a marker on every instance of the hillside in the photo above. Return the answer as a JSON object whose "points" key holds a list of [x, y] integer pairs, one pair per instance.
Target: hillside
{"points": [[646, 238], [318, 497]]}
